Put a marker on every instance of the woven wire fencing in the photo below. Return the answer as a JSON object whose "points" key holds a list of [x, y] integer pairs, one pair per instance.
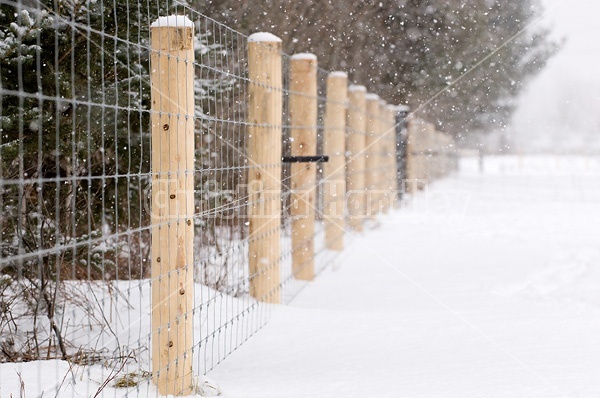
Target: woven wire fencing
{"points": [[85, 156]]}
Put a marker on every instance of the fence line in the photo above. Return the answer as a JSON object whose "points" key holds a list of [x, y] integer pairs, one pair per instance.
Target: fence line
{"points": [[148, 221]]}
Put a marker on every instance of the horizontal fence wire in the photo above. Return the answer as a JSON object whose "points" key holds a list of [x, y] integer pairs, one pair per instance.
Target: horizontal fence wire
{"points": [[78, 187]]}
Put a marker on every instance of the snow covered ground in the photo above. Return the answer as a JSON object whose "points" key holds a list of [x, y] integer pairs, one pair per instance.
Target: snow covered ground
{"points": [[485, 285]]}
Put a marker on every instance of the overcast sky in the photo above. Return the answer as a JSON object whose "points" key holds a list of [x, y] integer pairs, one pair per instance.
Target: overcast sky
{"points": [[560, 110]]}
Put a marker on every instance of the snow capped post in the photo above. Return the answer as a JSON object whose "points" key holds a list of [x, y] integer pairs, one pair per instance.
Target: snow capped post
{"points": [[303, 132], [372, 154], [264, 160], [172, 118], [355, 157], [334, 171]]}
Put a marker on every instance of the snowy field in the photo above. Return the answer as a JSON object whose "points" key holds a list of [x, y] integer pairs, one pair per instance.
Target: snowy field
{"points": [[485, 285]]}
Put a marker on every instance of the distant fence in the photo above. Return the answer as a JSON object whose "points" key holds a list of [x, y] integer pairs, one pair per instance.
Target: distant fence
{"points": [[430, 154], [163, 181]]}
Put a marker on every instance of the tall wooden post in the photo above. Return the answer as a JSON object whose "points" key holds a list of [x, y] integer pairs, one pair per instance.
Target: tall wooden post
{"points": [[433, 158], [303, 131], [386, 171], [413, 155], [429, 158], [373, 157], [264, 159], [172, 118], [355, 157], [445, 154], [448, 168], [392, 155], [433, 155], [334, 145], [445, 164], [382, 148], [441, 154]]}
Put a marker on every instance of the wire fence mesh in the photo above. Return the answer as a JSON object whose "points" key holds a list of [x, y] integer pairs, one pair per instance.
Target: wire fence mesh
{"points": [[80, 237]]}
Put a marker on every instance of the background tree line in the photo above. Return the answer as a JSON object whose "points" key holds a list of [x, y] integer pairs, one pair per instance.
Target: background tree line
{"points": [[409, 50]]}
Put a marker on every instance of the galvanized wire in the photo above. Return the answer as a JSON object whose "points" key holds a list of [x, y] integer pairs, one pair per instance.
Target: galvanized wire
{"points": [[75, 179]]}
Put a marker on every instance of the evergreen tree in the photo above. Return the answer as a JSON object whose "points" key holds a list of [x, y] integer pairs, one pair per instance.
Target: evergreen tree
{"points": [[480, 54], [73, 120], [407, 51]]}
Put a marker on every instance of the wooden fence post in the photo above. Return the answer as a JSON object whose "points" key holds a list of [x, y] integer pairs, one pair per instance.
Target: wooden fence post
{"points": [[383, 149], [429, 157], [447, 155], [385, 158], [303, 132], [444, 155], [373, 155], [413, 156], [334, 174], [172, 119], [391, 149], [264, 158], [433, 149], [439, 161], [355, 157]]}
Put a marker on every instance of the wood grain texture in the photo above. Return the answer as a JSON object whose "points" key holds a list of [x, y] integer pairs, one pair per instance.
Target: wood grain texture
{"points": [[303, 132], [373, 157], [334, 172], [264, 174], [172, 119], [355, 158]]}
